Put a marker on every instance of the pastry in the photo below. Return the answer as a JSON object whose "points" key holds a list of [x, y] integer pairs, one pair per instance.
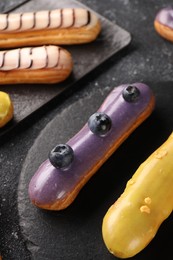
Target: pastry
{"points": [[60, 26], [163, 23], [6, 108], [134, 219], [69, 166], [45, 64]]}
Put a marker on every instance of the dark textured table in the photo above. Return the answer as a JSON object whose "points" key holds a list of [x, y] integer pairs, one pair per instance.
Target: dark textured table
{"points": [[147, 59]]}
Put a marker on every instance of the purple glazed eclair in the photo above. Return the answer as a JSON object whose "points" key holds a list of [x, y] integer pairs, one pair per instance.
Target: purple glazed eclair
{"points": [[163, 23], [69, 166]]}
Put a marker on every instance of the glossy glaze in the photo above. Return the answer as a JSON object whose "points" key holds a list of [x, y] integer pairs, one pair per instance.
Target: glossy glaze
{"points": [[134, 219], [165, 17], [48, 19], [49, 184], [34, 58], [6, 108]]}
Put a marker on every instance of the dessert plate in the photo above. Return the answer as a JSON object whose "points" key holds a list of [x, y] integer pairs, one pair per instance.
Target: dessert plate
{"points": [[75, 233], [28, 99]]}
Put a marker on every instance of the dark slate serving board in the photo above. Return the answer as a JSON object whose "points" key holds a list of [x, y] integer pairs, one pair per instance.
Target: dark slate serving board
{"points": [[75, 233], [7, 6], [29, 98]]}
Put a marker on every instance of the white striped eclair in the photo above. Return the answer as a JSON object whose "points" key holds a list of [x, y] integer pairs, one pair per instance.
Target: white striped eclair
{"points": [[59, 26], [44, 64]]}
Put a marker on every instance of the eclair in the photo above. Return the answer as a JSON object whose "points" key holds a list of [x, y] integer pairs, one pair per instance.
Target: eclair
{"points": [[59, 179], [6, 108], [163, 23], [59, 27], [44, 64], [134, 219]]}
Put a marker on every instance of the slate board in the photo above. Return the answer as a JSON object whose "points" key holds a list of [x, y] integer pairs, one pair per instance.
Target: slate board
{"points": [[75, 233], [28, 99], [8, 6]]}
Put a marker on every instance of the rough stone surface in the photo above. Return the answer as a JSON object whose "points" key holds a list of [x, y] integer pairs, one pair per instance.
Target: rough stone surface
{"points": [[148, 59]]}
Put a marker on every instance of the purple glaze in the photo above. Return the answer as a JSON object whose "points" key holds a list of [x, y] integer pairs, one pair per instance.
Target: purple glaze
{"points": [[165, 17], [50, 184]]}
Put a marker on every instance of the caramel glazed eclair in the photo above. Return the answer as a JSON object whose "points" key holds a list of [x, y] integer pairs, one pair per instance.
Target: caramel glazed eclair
{"points": [[59, 179], [44, 64], [60, 26]]}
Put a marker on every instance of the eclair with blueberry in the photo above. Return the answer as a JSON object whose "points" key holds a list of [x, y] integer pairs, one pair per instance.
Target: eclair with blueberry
{"points": [[163, 23], [59, 179], [59, 27], [43, 64]]}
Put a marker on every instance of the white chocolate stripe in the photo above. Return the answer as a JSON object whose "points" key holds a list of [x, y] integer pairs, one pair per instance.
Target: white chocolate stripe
{"points": [[52, 19], [25, 60], [32, 58]]}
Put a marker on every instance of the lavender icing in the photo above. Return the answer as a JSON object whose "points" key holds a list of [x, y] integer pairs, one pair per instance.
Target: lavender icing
{"points": [[50, 184], [165, 17]]}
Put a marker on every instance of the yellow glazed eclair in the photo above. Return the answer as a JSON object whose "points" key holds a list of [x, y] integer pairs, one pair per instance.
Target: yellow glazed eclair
{"points": [[134, 219], [59, 26], [6, 108], [44, 64]]}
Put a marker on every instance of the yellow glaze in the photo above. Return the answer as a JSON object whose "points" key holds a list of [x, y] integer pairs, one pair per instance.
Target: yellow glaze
{"points": [[6, 108], [133, 220]]}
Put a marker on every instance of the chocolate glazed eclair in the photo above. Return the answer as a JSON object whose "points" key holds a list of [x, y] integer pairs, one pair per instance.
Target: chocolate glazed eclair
{"points": [[45, 64], [60, 178], [59, 26]]}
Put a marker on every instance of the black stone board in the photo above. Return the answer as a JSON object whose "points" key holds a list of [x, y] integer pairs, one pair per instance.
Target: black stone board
{"points": [[9, 5], [75, 233], [27, 99]]}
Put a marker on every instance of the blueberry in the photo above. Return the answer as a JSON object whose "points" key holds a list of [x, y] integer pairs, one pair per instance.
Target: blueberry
{"points": [[61, 156], [99, 123], [131, 93]]}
